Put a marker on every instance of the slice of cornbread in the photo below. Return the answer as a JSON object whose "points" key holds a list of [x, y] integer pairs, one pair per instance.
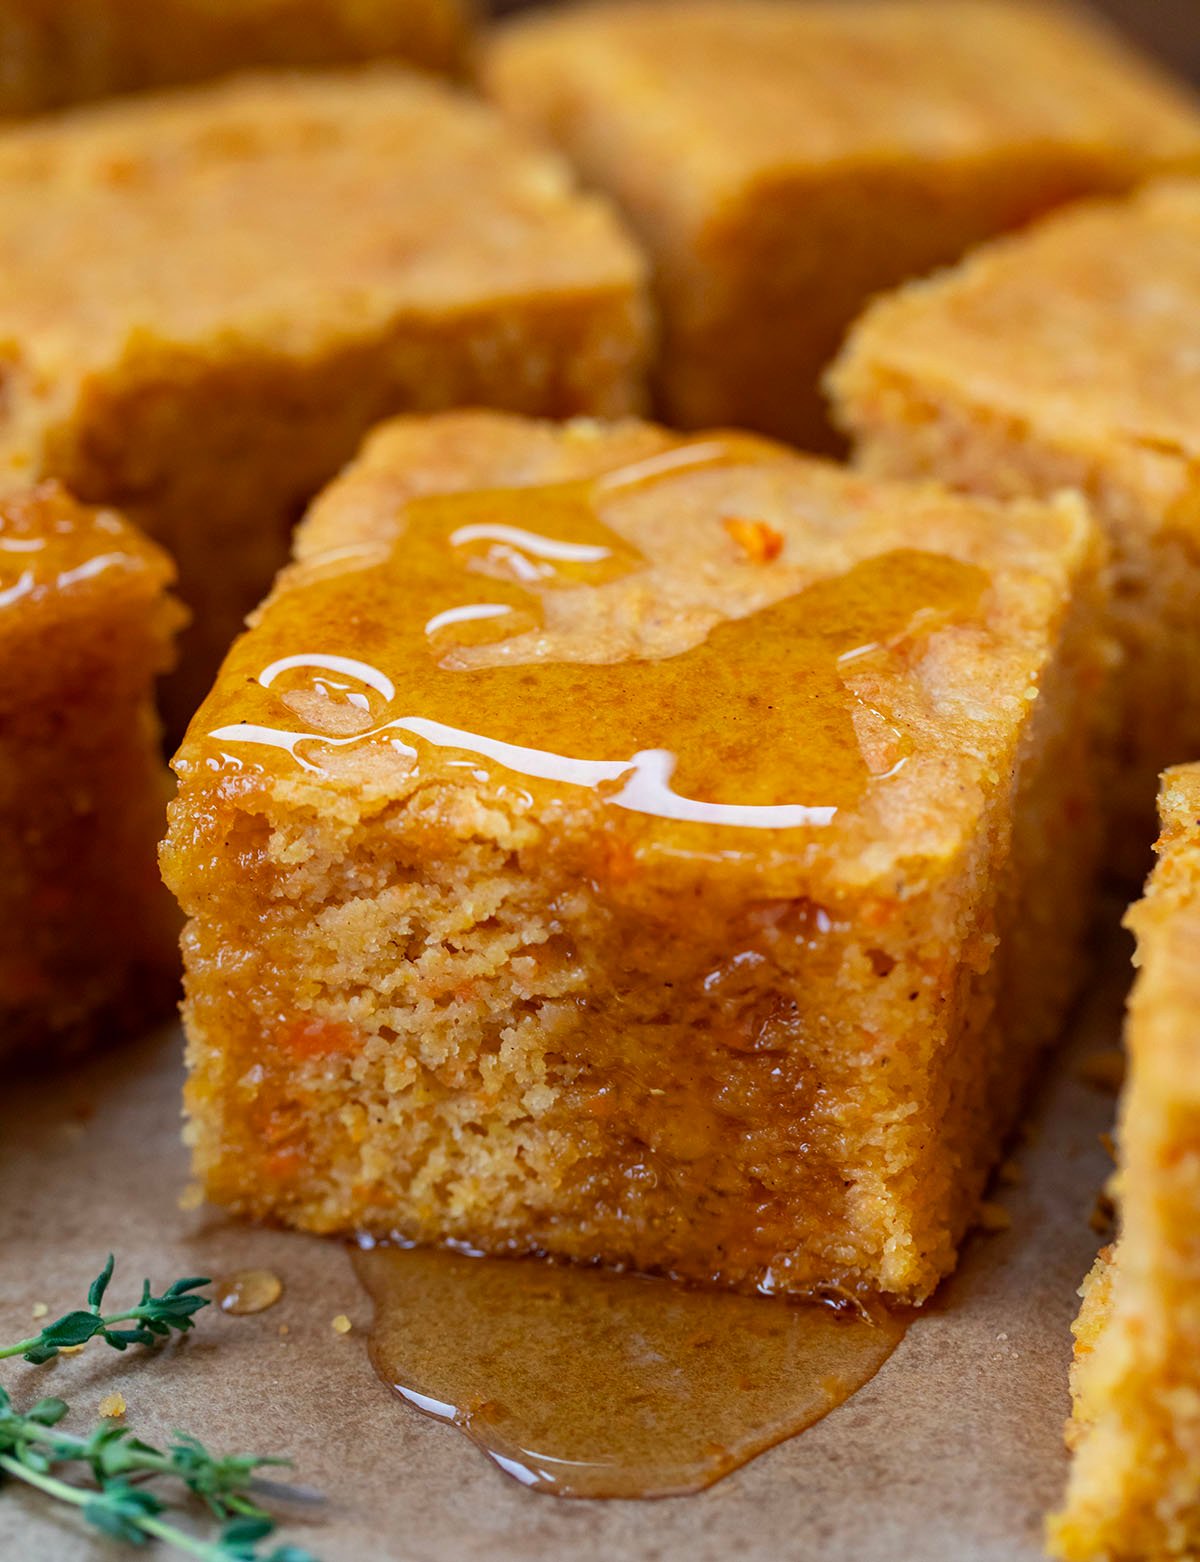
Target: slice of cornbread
{"points": [[782, 161], [286, 259], [1067, 356], [1134, 1490], [86, 930], [657, 852], [57, 52]]}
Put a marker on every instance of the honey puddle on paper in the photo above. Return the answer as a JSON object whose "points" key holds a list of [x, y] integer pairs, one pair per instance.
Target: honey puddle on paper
{"points": [[587, 1383]]}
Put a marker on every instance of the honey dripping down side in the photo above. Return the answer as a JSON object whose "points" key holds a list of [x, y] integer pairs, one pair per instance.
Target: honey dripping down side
{"points": [[752, 727], [583, 1382]]}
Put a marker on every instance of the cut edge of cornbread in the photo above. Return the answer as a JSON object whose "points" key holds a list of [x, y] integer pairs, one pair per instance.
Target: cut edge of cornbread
{"points": [[403, 1016], [1134, 1487]]}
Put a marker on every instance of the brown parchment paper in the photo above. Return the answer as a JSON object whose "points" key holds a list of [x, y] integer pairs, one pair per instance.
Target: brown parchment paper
{"points": [[951, 1454]]}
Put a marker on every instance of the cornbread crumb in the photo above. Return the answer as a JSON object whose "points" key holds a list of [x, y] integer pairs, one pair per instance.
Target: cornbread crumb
{"points": [[342, 1324], [113, 1405], [191, 1198], [39, 1309]]}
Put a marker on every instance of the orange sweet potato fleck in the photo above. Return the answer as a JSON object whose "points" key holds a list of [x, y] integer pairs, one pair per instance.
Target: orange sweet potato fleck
{"points": [[313, 1037], [282, 1165], [760, 542]]}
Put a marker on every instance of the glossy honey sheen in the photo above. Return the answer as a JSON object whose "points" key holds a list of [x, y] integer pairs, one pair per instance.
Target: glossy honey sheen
{"points": [[50, 544], [752, 727], [583, 1382]]}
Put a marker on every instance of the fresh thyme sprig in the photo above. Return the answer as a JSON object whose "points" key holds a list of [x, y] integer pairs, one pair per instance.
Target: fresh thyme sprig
{"points": [[153, 1319], [119, 1504], [112, 1468], [112, 1451]]}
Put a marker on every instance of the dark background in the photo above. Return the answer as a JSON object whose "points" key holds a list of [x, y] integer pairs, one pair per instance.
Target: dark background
{"points": [[1169, 28]]}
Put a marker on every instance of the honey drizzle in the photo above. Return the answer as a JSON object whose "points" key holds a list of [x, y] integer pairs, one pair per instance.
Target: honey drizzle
{"points": [[49, 543], [753, 726], [589, 1383]]}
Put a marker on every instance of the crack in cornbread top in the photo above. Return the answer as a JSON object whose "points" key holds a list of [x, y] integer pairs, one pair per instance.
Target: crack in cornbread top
{"points": [[752, 727]]}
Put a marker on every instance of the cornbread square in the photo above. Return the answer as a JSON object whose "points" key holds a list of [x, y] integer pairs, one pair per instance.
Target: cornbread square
{"points": [[285, 260], [1135, 1481], [658, 852], [1067, 357], [782, 162], [58, 52], [86, 930]]}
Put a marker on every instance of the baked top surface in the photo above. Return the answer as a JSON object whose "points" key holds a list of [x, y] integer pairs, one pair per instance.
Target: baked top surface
{"points": [[280, 213], [849, 82], [1086, 328], [722, 648], [54, 550]]}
